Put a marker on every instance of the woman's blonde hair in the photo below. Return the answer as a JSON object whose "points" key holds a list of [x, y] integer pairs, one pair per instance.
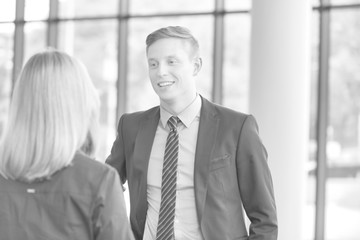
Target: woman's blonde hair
{"points": [[53, 113]]}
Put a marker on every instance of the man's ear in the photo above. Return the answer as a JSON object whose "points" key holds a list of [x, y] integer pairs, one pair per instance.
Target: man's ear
{"points": [[197, 65]]}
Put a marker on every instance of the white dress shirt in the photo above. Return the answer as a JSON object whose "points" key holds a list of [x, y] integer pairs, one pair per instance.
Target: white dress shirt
{"points": [[186, 225]]}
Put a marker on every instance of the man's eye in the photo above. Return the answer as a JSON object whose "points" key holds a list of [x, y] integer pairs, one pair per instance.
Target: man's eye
{"points": [[172, 61], [152, 65]]}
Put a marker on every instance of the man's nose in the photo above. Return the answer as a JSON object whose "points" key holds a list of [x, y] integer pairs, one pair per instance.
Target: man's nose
{"points": [[162, 70]]}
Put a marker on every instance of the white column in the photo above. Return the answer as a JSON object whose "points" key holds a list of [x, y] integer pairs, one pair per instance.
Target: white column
{"points": [[279, 99]]}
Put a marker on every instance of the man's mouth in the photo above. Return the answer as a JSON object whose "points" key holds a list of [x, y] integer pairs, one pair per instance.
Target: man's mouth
{"points": [[165, 84]]}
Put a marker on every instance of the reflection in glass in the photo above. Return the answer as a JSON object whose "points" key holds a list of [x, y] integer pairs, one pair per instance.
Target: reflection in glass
{"points": [[339, 2], [343, 143], [36, 10], [236, 62], [7, 10], [6, 65], [315, 3], [173, 6], [140, 93], [94, 43], [309, 215], [86, 8], [35, 38], [232, 5]]}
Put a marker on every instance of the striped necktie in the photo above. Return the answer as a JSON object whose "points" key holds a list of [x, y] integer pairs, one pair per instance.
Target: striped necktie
{"points": [[165, 228]]}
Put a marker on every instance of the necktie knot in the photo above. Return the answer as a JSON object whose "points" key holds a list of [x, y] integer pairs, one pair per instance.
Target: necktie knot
{"points": [[173, 122]]}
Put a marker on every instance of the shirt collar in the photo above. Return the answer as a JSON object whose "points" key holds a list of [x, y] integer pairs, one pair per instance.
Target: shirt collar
{"points": [[187, 116]]}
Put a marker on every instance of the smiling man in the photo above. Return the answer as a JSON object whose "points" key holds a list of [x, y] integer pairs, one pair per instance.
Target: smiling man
{"points": [[192, 166]]}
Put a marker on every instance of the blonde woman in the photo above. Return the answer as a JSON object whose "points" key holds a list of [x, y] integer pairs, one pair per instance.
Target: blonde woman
{"points": [[50, 187]]}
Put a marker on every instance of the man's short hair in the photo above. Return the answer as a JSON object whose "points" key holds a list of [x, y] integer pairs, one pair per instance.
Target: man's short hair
{"points": [[173, 32]]}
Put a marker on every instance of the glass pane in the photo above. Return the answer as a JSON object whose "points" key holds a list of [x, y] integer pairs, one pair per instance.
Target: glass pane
{"points": [[232, 5], [86, 8], [338, 2], [35, 38], [236, 61], [140, 92], [173, 6], [309, 214], [98, 51], [343, 150], [7, 10], [315, 3], [36, 10], [6, 65]]}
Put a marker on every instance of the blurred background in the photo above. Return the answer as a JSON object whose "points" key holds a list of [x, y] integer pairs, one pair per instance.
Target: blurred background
{"points": [[293, 64]]}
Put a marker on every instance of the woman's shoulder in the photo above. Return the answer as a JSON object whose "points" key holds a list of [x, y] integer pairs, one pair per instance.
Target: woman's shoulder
{"points": [[91, 165], [85, 171]]}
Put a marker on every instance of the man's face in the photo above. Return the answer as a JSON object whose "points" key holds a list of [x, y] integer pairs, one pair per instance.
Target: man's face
{"points": [[172, 69]]}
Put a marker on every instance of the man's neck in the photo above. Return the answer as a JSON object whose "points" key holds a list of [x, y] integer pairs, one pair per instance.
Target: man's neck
{"points": [[176, 107]]}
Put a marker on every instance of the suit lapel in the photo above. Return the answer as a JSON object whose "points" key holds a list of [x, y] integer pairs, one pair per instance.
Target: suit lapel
{"points": [[208, 128], [142, 150]]}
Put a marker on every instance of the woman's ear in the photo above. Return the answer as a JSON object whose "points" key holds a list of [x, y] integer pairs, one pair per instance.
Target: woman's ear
{"points": [[197, 65]]}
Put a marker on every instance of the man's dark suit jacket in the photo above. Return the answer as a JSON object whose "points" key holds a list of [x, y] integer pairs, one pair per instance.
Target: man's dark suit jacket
{"points": [[231, 170]]}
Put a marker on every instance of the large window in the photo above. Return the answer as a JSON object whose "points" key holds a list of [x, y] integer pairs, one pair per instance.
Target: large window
{"points": [[109, 37], [334, 192]]}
